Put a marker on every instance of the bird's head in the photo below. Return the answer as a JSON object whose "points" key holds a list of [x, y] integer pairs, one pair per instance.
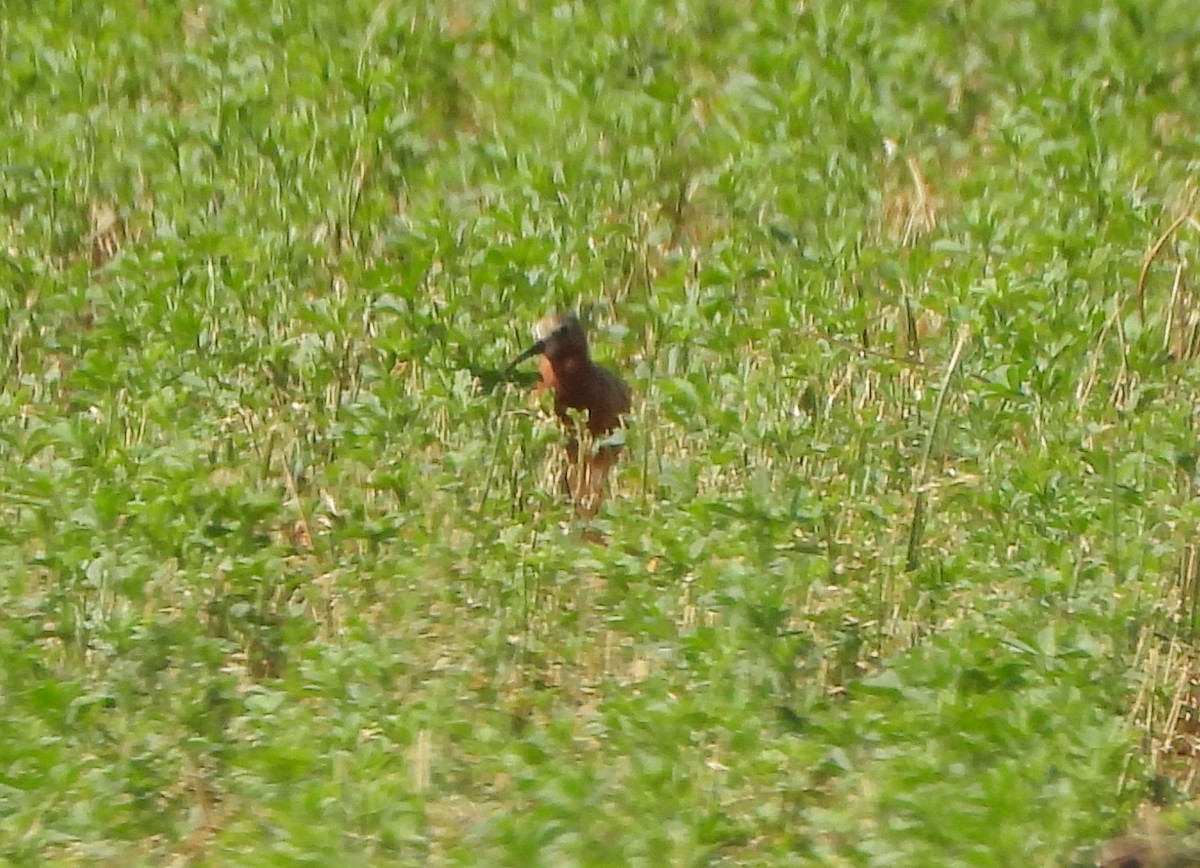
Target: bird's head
{"points": [[557, 336]]}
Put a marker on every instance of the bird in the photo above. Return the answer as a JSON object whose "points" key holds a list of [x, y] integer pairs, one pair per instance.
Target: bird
{"points": [[582, 386]]}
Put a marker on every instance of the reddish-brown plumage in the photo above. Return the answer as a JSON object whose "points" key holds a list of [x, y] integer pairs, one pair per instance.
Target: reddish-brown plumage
{"points": [[581, 385]]}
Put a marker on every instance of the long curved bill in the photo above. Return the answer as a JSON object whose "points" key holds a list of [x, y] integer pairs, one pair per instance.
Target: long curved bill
{"points": [[535, 350]]}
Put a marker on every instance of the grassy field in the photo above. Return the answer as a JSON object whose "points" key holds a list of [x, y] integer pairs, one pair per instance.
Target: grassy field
{"points": [[901, 566]]}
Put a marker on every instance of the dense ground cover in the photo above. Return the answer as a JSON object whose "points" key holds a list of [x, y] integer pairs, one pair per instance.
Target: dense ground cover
{"points": [[901, 565]]}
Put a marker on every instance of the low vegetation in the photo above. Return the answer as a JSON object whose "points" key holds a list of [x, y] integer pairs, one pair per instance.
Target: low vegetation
{"points": [[900, 567]]}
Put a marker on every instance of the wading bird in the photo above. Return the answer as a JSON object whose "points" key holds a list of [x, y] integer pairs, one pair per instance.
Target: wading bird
{"points": [[580, 385]]}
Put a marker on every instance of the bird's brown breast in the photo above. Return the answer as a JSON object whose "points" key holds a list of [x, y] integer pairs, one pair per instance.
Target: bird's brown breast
{"points": [[583, 386]]}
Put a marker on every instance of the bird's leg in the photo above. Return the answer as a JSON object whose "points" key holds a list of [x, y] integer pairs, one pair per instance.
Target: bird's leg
{"points": [[594, 478], [574, 423], [570, 477], [590, 493]]}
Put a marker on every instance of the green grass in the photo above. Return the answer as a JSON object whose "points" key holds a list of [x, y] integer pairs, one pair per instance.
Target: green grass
{"points": [[900, 566]]}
